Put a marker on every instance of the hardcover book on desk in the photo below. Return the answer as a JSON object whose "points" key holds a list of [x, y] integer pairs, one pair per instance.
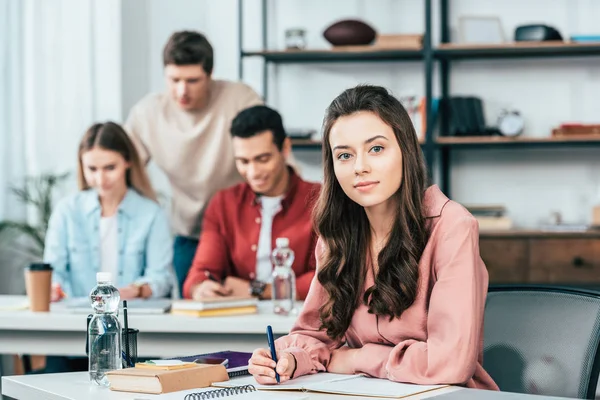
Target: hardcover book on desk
{"points": [[214, 307], [155, 381]]}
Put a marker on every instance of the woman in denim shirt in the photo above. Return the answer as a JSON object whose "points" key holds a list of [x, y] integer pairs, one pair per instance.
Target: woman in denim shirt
{"points": [[113, 224]]}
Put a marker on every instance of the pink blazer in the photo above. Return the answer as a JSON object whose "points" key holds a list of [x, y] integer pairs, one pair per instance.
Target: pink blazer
{"points": [[439, 339]]}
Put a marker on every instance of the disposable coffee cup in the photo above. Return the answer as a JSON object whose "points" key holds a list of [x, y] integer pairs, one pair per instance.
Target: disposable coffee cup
{"points": [[38, 282]]}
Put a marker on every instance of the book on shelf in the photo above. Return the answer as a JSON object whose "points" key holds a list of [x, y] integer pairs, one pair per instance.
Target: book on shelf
{"points": [[155, 381], [491, 210], [491, 217], [352, 385], [487, 223]]}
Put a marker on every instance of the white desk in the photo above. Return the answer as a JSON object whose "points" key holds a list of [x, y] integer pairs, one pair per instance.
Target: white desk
{"points": [[76, 386], [62, 333]]}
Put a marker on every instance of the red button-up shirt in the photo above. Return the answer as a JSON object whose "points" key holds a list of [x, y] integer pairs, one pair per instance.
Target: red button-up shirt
{"points": [[231, 227]]}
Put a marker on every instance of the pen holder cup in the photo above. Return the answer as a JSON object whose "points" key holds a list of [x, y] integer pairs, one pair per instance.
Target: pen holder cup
{"points": [[129, 342]]}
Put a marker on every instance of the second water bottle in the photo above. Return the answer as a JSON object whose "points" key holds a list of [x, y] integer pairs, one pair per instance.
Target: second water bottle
{"points": [[284, 278]]}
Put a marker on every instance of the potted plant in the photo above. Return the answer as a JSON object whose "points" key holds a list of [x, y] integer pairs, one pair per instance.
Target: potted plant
{"points": [[22, 241]]}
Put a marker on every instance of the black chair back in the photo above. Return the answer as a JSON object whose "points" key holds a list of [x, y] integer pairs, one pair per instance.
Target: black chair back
{"points": [[543, 339]]}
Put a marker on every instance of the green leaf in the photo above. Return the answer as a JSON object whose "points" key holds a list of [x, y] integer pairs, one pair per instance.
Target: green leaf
{"points": [[35, 191], [12, 230]]}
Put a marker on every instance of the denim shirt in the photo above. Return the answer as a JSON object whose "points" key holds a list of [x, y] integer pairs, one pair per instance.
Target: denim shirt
{"points": [[73, 244]]}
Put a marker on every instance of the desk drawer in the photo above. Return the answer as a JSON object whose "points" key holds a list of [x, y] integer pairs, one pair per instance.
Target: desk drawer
{"points": [[564, 261], [506, 260]]}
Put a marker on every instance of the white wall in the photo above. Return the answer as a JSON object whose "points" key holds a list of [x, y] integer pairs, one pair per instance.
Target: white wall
{"points": [[531, 183]]}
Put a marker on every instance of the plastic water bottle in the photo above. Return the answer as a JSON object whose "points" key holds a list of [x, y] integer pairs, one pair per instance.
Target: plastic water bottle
{"points": [[104, 331], [284, 278]]}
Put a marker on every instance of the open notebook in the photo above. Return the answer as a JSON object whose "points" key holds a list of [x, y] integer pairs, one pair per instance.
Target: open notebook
{"points": [[356, 385], [237, 392], [82, 305]]}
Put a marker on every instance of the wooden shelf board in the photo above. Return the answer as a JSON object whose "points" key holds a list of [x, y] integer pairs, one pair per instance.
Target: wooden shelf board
{"points": [[557, 44], [522, 140], [517, 49], [345, 53], [444, 50], [523, 233], [311, 143], [306, 143]]}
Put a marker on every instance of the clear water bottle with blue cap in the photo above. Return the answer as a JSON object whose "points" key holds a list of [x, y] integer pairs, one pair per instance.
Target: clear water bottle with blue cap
{"points": [[104, 331], [284, 278]]}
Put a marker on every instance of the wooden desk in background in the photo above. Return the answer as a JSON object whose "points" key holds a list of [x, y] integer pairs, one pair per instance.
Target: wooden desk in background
{"points": [[166, 335], [546, 257]]}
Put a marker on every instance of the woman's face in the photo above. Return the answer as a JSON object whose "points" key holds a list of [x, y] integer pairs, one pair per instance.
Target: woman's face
{"points": [[105, 171], [367, 159]]}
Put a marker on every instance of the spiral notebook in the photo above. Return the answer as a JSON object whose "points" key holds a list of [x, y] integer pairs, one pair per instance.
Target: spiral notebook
{"points": [[324, 382], [246, 392], [238, 361]]}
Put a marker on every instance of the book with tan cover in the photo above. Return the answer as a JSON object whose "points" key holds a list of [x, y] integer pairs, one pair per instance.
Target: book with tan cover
{"points": [[217, 313], [155, 381], [214, 303], [181, 365]]}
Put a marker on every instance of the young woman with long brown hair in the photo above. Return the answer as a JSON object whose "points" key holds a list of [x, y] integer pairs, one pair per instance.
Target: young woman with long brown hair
{"points": [[113, 224], [400, 286]]}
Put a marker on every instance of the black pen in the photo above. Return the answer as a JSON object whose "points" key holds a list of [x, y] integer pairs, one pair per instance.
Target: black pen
{"points": [[127, 360], [212, 277]]}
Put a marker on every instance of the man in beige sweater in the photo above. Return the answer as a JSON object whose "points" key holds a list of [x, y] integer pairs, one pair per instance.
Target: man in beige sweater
{"points": [[185, 130]]}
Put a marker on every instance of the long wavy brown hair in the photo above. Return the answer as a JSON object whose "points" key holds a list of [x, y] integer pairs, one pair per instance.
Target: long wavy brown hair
{"points": [[111, 136], [345, 231]]}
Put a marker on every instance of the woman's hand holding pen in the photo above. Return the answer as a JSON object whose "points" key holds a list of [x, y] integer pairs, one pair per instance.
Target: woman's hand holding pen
{"points": [[56, 293], [262, 366]]}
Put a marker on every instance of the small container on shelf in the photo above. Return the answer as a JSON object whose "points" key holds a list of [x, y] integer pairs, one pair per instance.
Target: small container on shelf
{"points": [[295, 39]]}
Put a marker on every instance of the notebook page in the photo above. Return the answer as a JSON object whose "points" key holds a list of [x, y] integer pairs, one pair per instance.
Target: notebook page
{"points": [[300, 383], [364, 386], [242, 396]]}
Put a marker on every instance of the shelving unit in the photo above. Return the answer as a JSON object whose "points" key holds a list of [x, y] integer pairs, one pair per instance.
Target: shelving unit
{"points": [[444, 54], [447, 52], [348, 54]]}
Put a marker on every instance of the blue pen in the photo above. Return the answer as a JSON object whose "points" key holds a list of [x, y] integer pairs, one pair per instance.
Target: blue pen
{"points": [[272, 348]]}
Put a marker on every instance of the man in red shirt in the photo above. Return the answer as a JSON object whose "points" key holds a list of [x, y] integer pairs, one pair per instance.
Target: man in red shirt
{"points": [[241, 223]]}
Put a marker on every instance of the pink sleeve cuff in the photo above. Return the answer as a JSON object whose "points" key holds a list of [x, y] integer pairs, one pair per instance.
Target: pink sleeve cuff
{"points": [[304, 365]]}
